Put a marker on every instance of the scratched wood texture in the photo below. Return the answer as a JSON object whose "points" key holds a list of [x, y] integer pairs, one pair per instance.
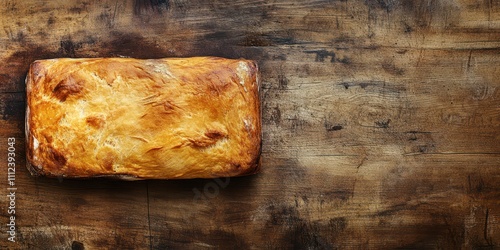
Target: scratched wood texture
{"points": [[381, 125]]}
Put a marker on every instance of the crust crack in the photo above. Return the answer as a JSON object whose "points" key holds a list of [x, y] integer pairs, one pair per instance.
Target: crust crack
{"points": [[67, 87], [210, 138]]}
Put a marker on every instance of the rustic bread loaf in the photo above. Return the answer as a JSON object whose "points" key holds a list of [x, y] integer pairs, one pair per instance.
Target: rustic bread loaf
{"points": [[171, 118]]}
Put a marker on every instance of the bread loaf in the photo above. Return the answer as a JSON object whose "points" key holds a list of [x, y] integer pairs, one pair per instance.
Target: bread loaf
{"points": [[174, 118]]}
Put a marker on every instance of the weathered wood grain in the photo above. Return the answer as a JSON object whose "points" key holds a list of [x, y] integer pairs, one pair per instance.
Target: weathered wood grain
{"points": [[381, 125]]}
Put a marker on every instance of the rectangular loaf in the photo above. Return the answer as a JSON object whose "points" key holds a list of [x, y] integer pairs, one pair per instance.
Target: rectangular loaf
{"points": [[174, 118]]}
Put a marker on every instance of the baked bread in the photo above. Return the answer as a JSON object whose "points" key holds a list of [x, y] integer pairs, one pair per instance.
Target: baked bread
{"points": [[174, 118]]}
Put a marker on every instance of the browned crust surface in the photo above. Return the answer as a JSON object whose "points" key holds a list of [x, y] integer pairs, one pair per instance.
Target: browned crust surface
{"points": [[160, 119]]}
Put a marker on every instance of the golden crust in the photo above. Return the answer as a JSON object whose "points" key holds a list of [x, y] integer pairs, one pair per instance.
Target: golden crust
{"points": [[172, 118]]}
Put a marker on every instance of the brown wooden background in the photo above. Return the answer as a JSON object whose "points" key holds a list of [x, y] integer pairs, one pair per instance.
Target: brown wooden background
{"points": [[381, 124]]}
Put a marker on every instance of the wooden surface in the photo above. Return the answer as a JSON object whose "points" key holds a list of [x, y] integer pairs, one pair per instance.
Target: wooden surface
{"points": [[381, 125]]}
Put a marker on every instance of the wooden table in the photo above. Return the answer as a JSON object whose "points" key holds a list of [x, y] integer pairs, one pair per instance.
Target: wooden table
{"points": [[381, 124]]}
